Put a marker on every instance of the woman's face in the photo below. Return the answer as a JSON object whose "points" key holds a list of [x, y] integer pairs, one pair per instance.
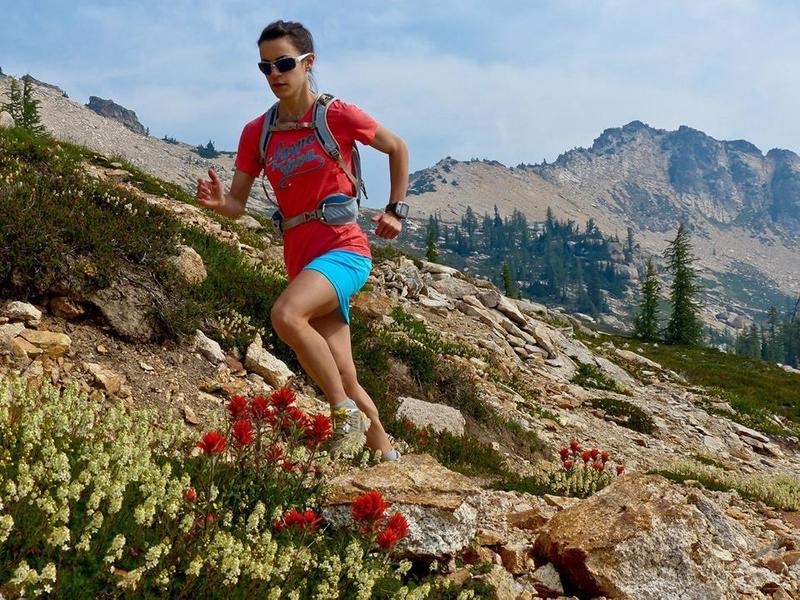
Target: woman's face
{"points": [[291, 82]]}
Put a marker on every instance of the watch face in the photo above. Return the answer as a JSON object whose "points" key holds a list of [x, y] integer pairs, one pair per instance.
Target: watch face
{"points": [[401, 209]]}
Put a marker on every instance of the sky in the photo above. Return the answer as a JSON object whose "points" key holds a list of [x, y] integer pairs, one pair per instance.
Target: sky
{"points": [[516, 82]]}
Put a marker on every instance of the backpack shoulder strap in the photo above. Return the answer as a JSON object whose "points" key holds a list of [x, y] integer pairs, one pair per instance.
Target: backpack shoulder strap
{"points": [[331, 145], [270, 117]]}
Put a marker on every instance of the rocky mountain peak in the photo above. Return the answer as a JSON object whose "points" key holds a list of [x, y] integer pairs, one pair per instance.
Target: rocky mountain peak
{"points": [[112, 110]]}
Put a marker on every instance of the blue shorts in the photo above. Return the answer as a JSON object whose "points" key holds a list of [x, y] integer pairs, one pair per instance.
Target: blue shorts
{"points": [[347, 272]]}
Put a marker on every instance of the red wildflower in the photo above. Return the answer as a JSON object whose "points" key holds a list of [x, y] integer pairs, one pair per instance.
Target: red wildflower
{"points": [[237, 407], [586, 456], [243, 432], [620, 469], [369, 507], [307, 520], [210, 518], [288, 466], [282, 398], [568, 464], [408, 424], [260, 408], [293, 417], [190, 495], [575, 446], [564, 452], [598, 466], [604, 457], [395, 530], [212, 443], [595, 453], [274, 454], [278, 525], [318, 431]]}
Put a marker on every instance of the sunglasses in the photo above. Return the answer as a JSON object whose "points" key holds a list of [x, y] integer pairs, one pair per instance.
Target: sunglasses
{"points": [[282, 65]]}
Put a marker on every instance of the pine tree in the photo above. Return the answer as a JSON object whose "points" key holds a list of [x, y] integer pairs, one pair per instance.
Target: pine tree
{"points": [[430, 249], [23, 107], [684, 325], [646, 323], [508, 282]]}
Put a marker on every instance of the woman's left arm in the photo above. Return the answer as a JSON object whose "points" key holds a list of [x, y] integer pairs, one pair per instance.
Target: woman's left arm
{"points": [[389, 225]]}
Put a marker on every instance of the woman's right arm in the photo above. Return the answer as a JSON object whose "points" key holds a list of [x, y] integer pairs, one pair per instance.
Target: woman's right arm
{"points": [[229, 204]]}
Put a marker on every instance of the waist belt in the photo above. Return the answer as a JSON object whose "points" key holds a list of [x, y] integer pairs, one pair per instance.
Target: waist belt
{"points": [[335, 209]]}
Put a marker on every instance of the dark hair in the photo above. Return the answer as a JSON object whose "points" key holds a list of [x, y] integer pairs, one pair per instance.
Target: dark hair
{"points": [[296, 32]]}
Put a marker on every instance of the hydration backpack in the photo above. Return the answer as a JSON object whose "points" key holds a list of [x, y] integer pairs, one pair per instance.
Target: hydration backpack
{"points": [[335, 209]]}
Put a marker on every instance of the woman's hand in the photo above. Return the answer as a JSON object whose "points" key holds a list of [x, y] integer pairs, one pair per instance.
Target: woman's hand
{"points": [[209, 193], [389, 225]]}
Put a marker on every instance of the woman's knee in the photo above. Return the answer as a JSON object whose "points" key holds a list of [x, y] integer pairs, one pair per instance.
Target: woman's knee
{"points": [[285, 321]]}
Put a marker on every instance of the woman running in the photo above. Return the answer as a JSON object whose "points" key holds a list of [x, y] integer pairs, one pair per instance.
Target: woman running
{"points": [[326, 263]]}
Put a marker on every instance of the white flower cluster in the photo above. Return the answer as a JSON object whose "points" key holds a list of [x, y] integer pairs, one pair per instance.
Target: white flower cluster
{"points": [[233, 325], [80, 467], [778, 491]]}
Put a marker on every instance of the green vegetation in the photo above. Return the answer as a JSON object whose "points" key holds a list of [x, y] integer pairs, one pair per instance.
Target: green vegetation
{"points": [[625, 414], [556, 261], [646, 323], [207, 151], [591, 376], [23, 107], [754, 389], [685, 326], [780, 492]]}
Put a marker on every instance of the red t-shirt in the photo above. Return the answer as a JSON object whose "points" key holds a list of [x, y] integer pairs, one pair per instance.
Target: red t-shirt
{"points": [[302, 173]]}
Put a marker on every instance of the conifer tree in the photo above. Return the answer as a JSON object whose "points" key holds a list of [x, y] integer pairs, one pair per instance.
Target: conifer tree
{"points": [[430, 246], [684, 325], [508, 282], [646, 323], [23, 107]]}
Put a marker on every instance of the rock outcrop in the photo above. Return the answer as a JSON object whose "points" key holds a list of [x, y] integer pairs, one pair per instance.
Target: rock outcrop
{"points": [[112, 110]]}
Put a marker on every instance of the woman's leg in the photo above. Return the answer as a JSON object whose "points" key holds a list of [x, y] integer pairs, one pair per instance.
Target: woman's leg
{"points": [[337, 335], [310, 295]]}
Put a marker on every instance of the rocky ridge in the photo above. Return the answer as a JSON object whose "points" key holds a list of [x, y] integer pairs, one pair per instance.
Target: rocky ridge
{"points": [[743, 207], [700, 544], [178, 163], [112, 110]]}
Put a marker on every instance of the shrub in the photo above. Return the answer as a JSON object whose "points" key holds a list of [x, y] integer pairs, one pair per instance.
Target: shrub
{"points": [[625, 414], [100, 502], [582, 473], [779, 491], [590, 376]]}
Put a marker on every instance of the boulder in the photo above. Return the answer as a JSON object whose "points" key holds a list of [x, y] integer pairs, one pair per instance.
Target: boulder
{"points": [[645, 538], [189, 264], [272, 369], [64, 307], [127, 307], [249, 222], [433, 500], [6, 120], [509, 309], [51, 343], [428, 414], [113, 383], [209, 348], [437, 269], [489, 298], [454, 288], [22, 311], [636, 358]]}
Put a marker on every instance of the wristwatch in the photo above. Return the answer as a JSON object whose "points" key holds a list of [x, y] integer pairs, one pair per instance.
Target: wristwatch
{"points": [[398, 209]]}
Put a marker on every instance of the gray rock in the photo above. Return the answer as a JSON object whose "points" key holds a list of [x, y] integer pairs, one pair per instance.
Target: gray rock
{"points": [[209, 348], [112, 110], [189, 264], [6, 120], [272, 369], [489, 298], [637, 358], [22, 311], [433, 499], [509, 309], [423, 414], [249, 222], [454, 288]]}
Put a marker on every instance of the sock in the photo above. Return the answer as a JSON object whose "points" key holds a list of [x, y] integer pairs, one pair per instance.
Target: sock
{"points": [[347, 404], [391, 455]]}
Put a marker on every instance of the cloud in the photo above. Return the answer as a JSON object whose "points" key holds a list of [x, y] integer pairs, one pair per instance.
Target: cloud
{"points": [[502, 80]]}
